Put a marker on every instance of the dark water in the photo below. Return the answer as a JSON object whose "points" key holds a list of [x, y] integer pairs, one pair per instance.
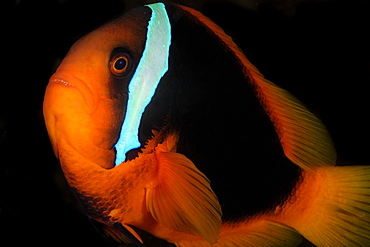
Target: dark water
{"points": [[318, 51]]}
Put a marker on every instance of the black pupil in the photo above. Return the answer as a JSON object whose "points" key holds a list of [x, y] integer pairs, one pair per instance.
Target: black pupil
{"points": [[120, 64]]}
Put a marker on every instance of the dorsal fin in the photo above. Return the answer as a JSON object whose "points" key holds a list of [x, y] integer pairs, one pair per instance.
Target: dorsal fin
{"points": [[304, 138]]}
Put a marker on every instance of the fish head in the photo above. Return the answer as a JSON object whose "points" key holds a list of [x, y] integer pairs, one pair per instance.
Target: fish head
{"points": [[85, 100]]}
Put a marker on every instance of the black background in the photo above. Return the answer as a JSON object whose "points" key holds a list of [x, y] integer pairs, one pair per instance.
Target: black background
{"points": [[318, 50]]}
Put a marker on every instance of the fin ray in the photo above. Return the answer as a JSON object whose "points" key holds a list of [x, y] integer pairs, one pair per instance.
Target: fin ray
{"points": [[264, 233], [127, 233], [252, 233], [182, 198], [115, 234], [304, 138], [340, 213], [291, 119]]}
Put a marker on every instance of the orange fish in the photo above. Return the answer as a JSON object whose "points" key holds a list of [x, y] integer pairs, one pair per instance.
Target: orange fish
{"points": [[162, 124]]}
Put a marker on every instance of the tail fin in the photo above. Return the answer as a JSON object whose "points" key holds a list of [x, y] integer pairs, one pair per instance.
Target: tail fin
{"points": [[338, 212], [251, 233]]}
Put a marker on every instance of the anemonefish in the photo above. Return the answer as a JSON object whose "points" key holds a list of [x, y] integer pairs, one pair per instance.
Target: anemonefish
{"points": [[162, 125]]}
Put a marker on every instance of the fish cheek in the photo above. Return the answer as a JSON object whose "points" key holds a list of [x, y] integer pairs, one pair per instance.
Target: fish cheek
{"points": [[114, 108], [107, 120], [118, 88]]}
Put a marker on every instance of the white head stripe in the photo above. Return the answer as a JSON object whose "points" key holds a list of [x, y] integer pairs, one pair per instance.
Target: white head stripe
{"points": [[152, 66]]}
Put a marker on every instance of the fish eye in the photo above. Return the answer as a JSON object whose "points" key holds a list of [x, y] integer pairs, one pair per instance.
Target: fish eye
{"points": [[120, 64]]}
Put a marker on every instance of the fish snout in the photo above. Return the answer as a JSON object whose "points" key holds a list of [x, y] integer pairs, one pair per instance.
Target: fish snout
{"points": [[67, 81]]}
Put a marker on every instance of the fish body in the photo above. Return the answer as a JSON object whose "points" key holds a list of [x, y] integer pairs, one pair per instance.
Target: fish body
{"points": [[162, 124]]}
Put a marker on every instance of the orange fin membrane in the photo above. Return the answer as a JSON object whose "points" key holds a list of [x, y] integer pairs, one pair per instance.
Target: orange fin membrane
{"points": [[262, 233], [305, 140], [255, 233], [337, 213], [182, 198], [340, 213], [115, 234], [124, 233]]}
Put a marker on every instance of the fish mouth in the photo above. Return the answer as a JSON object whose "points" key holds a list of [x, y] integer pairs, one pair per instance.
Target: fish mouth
{"points": [[67, 80], [62, 82]]}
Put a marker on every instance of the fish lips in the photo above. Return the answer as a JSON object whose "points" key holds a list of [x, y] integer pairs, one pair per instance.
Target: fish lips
{"points": [[58, 98], [71, 81]]}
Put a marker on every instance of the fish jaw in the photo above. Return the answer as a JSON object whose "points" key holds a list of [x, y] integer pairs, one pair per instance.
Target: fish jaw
{"points": [[70, 81], [69, 107]]}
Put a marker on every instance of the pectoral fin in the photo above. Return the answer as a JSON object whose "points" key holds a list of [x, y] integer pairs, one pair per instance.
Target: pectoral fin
{"points": [[182, 198], [119, 232], [129, 233]]}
